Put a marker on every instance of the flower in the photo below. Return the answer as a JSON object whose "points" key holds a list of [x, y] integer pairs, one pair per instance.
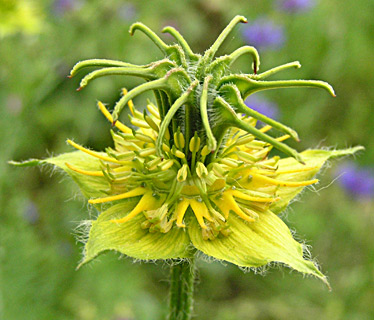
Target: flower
{"points": [[193, 173], [357, 181], [296, 5], [264, 34]]}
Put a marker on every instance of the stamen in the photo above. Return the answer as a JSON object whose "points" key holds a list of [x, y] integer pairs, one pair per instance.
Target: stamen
{"points": [[282, 138], [153, 111], [283, 183], [118, 124], [182, 173], [93, 153], [150, 122], [130, 194], [147, 152], [166, 165], [139, 123], [244, 196], [129, 103], [265, 128], [87, 173]]}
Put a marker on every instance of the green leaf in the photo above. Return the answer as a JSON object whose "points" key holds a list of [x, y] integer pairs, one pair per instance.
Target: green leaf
{"points": [[130, 239], [256, 244], [312, 158]]}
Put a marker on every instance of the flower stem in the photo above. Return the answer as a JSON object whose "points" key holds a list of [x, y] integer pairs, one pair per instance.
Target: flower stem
{"points": [[182, 276]]}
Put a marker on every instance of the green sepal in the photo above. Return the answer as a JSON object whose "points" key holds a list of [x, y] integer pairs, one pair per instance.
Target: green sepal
{"points": [[130, 239], [256, 244], [27, 163], [312, 158], [91, 187]]}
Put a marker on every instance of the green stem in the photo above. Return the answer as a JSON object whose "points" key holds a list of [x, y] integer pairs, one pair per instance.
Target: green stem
{"points": [[181, 290]]}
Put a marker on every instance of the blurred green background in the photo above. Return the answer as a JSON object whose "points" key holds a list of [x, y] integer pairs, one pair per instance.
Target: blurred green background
{"points": [[39, 109]]}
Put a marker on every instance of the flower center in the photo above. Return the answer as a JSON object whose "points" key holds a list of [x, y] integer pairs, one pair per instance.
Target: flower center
{"points": [[172, 187]]}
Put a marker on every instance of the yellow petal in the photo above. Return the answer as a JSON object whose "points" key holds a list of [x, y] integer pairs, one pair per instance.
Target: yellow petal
{"points": [[147, 202], [180, 211], [133, 193]]}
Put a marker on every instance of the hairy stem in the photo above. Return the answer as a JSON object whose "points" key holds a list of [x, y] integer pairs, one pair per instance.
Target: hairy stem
{"points": [[182, 276]]}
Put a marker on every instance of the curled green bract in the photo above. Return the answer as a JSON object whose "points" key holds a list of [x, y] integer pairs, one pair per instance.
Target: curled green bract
{"points": [[193, 172]]}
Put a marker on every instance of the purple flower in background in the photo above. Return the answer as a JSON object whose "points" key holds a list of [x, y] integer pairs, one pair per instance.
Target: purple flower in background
{"points": [[259, 104], [296, 5], [127, 12], [357, 181], [31, 213], [264, 34], [62, 6]]}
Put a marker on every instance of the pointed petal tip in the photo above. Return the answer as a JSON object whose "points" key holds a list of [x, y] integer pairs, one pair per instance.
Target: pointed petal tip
{"points": [[27, 163], [79, 89]]}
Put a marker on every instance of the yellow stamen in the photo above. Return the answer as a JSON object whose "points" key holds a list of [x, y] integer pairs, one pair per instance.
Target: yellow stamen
{"points": [[276, 182], [87, 173], [180, 211], [200, 210], [165, 165], [265, 128], [130, 103], [153, 111], [118, 124], [147, 202], [282, 138], [133, 193], [297, 170], [139, 123], [92, 153], [244, 196]]}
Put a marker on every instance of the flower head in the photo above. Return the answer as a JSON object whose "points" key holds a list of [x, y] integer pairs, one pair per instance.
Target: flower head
{"points": [[192, 172]]}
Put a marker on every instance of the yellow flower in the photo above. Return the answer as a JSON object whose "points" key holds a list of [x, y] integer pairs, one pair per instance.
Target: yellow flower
{"points": [[194, 172], [154, 207]]}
